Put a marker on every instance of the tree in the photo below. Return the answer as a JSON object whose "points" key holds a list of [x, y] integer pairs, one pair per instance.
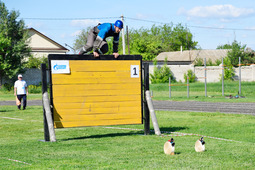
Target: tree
{"points": [[13, 42], [162, 74], [229, 71], [191, 75], [81, 39], [225, 46], [143, 42], [237, 50], [150, 42]]}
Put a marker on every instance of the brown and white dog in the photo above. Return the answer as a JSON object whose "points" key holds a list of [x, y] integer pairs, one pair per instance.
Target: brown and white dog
{"points": [[169, 147], [200, 145]]}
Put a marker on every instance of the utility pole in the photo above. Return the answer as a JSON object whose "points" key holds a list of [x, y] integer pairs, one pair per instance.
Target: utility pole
{"points": [[123, 37], [128, 40]]}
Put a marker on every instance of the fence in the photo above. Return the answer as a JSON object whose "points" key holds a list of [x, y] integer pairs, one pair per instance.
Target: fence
{"points": [[238, 76]]}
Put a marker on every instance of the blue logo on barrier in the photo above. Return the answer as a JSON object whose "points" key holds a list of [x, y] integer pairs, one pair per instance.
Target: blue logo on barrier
{"points": [[58, 67]]}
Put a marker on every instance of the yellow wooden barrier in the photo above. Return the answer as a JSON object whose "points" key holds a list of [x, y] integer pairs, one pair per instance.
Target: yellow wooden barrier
{"points": [[96, 92]]}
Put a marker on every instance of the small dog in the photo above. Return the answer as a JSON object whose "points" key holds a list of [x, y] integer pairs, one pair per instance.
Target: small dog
{"points": [[169, 147], [200, 145]]}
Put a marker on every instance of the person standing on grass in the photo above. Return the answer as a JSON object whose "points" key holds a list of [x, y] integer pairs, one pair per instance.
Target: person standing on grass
{"points": [[96, 40], [21, 91]]}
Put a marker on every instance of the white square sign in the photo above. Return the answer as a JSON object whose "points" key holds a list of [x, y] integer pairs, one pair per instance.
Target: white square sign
{"points": [[134, 71], [60, 67]]}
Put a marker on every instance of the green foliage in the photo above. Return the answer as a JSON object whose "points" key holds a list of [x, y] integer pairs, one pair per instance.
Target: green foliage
{"points": [[209, 62], [81, 39], [225, 46], [13, 43], [199, 62], [229, 72], [249, 58], [191, 75], [34, 62], [217, 62], [237, 50], [149, 42], [35, 88], [7, 87], [162, 74]]}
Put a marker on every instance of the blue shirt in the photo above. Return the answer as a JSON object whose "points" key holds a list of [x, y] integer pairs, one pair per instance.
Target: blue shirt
{"points": [[108, 30]]}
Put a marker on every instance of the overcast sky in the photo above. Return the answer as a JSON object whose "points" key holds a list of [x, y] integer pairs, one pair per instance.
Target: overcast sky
{"points": [[212, 22]]}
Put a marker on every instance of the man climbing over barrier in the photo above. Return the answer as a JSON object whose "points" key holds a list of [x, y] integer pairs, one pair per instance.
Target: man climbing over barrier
{"points": [[96, 39]]}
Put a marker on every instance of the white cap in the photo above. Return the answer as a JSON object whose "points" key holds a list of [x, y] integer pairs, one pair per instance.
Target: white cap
{"points": [[19, 75]]}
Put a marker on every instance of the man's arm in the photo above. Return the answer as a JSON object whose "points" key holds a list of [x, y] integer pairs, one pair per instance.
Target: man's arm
{"points": [[115, 46], [26, 90], [15, 90]]}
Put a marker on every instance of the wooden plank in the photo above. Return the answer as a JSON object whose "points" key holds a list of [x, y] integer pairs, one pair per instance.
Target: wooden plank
{"points": [[96, 123], [105, 66], [91, 74], [104, 80], [97, 86], [93, 105], [95, 117], [59, 112], [77, 99], [73, 92]]}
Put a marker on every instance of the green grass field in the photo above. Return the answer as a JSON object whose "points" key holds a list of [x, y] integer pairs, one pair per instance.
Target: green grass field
{"points": [[105, 148]]}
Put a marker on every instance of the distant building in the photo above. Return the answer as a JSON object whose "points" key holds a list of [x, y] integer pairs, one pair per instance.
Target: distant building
{"points": [[42, 45], [189, 56]]}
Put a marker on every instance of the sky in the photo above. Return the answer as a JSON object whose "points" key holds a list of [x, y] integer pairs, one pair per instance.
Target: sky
{"points": [[212, 22]]}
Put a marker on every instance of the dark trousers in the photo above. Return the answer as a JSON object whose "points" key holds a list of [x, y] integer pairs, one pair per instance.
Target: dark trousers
{"points": [[24, 97]]}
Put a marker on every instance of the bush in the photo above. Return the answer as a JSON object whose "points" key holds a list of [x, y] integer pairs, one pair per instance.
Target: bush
{"points": [[34, 62], [191, 75], [7, 87], [218, 62], [161, 75], [229, 72], [35, 89], [209, 62], [198, 62]]}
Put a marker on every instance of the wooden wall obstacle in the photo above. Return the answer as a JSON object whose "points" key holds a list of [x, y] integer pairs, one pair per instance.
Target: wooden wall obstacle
{"points": [[88, 91]]}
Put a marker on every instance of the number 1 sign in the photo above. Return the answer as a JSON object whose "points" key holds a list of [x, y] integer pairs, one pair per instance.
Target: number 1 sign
{"points": [[135, 71]]}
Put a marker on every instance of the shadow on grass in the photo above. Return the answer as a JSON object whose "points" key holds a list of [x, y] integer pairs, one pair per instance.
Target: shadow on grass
{"points": [[5, 110], [177, 153], [171, 129], [103, 136], [162, 129]]}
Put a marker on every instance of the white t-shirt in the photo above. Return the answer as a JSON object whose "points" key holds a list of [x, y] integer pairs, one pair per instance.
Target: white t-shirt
{"points": [[21, 86]]}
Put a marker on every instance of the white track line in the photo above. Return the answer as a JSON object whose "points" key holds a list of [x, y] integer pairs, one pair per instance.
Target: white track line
{"points": [[11, 118], [18, 161]]}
